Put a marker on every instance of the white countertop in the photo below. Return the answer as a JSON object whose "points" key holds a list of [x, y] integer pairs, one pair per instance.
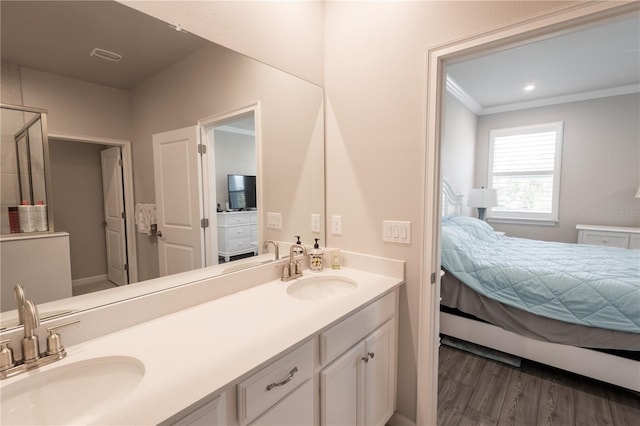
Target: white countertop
{"points": [[195, 352]]}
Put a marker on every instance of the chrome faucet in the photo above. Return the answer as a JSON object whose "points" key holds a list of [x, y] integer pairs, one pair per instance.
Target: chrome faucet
{"points": [[294, 269], [31, 356], [275, 246], [18, 291], [30, 345]]}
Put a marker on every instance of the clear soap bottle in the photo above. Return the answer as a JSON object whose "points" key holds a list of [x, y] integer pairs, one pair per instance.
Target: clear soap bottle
{"points": [[315, 258]]}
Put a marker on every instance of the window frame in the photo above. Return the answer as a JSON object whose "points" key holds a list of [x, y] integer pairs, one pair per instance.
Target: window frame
{"points": [[521, 216]]}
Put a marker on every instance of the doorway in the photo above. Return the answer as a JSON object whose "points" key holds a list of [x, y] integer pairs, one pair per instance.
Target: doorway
{"points": [[534, 29], [91, 186]]}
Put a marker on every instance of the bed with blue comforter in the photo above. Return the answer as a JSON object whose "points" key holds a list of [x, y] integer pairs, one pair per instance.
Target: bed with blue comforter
{"points": [[590, 286]]}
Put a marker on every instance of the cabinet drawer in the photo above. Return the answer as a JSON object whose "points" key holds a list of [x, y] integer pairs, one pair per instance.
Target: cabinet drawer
{"points": [[341, 337], [235, 231], [296, 409], [226, 219], [605, 239], [280, 378]]}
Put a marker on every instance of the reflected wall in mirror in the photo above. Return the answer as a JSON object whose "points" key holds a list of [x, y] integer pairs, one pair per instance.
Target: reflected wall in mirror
{"points": [[166, 80], [589, 79]]}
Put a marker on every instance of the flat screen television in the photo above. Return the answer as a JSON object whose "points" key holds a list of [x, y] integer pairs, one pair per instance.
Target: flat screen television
{"points": [[242, 192]]}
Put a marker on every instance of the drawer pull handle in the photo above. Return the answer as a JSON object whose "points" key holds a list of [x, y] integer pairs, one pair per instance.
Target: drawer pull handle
{"points": [[285, 380], [369, 356]]}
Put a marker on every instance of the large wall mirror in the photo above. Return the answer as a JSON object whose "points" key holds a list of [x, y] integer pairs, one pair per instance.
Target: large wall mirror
{"points": [[145, 80]]}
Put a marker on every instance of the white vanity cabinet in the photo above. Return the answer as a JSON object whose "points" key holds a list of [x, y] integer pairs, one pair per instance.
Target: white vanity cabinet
{"points": [[610, 236], [237, 233], [359, 386]]}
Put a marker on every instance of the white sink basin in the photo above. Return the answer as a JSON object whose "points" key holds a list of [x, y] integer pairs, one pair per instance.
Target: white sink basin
{"points": [[321, 287], [77, 393]]}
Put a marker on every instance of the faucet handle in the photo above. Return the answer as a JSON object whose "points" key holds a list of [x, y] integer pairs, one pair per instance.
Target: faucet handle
{"points": [[18, 291], [54, 344], [6, 355]]}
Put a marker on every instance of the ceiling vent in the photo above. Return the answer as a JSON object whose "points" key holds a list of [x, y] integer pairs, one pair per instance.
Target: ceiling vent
{"points": [[106, 55]]}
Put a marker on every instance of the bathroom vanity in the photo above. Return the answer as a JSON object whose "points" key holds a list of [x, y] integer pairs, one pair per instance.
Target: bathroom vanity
{"points": [[318, 350]]}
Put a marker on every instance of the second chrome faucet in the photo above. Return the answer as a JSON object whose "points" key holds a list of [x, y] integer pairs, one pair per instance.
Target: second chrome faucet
{"points": [[294, 269]]}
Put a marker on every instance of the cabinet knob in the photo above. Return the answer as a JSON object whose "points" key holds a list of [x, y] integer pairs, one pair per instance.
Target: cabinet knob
{"points": [[369, 356]]}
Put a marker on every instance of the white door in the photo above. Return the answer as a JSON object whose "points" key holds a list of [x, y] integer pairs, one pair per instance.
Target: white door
{"points": [[114, 226], [178, 177]]}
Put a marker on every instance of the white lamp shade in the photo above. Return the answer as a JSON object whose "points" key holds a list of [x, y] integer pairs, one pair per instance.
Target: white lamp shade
{"points": [[483, 197], [638, 193]]}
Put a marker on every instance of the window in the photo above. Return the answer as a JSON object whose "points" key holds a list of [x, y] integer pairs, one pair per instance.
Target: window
{"points": [[524, 167]]}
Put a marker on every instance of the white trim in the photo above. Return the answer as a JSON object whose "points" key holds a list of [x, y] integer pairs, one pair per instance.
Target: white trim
{"points": [[559, 20], [556, 100], [127, 176], [460, 94], [518, 221]]}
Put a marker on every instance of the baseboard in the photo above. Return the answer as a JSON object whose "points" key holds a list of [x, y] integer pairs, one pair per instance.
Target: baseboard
{"points": [[88, 280], [399, 420]]}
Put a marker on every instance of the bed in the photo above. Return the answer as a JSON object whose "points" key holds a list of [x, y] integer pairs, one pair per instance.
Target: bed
{"points": [[571, 306]]}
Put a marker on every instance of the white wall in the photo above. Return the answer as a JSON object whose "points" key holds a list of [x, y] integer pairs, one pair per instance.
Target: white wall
{"points": [[600, 163], [458, 149], [375, 79], [76, 176], [235, 154]]}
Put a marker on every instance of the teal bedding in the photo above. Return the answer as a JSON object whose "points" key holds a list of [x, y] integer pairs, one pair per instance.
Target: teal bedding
{"points": [[581, 284]]}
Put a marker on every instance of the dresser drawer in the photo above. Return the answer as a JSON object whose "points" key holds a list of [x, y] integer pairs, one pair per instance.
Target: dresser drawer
{"points": [[634, 242], [605, 239], [341, 337], [274, 382], [235, 231], [239, 218]]}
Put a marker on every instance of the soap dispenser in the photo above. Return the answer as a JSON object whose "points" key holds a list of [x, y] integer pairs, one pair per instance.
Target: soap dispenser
{"points": [[297, 251], [315, 258]]}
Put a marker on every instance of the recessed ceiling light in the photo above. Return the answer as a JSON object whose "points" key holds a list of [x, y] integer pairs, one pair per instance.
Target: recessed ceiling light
{"points": [[529, 87]]}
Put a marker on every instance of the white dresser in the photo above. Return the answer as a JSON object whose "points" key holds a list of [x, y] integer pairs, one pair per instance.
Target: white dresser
{"points": [[611, 236], [237, 233]]}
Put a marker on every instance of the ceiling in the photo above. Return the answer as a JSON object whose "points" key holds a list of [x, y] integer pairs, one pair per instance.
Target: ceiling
{"points": [[57, 37], [593, 62]]}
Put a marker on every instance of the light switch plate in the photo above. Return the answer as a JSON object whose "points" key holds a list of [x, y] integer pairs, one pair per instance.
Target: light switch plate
{"points": [[396, 231], [336, 225], [315, 222], [274, 220]]}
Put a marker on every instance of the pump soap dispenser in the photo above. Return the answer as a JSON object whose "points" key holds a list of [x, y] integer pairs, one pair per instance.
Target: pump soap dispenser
{"points": [[315, 258]]}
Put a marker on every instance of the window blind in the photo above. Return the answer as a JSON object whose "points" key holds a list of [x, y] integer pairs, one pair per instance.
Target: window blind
{"points": [[524, 168]]}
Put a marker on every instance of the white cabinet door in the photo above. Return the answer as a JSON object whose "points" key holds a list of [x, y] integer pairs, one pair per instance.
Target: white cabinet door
{"points": [[380, 375], [294, 410], [341, 386], [358, 388]]}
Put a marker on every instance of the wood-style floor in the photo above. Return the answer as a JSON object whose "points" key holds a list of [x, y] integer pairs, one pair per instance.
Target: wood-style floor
{"points": [[473, 390]]}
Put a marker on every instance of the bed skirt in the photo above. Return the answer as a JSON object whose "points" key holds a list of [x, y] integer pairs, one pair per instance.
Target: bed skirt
{"points": [[456, 295]]}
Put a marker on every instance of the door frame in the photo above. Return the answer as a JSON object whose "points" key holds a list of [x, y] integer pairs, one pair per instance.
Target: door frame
{"points": [[547, 25], [127, 178], [209, 172]]}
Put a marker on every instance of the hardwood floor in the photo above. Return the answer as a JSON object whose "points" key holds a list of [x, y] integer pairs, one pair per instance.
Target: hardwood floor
{"points": [[473, 390]]}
